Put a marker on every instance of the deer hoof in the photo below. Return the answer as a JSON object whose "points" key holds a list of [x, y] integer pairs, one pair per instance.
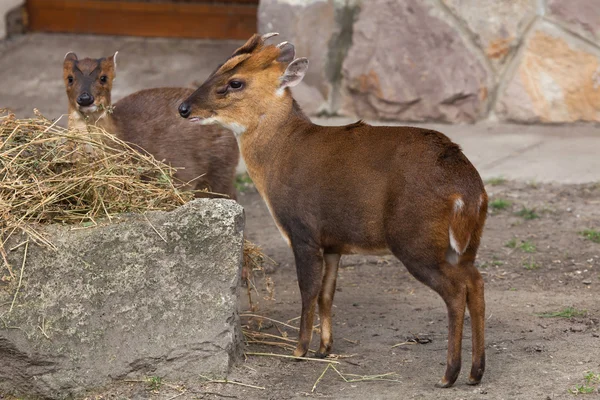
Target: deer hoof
{"points": [[473, 381], [300, 352], [443, 384]]}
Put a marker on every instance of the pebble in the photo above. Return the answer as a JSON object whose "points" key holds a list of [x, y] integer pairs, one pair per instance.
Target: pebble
{"points": [[587, 282]]}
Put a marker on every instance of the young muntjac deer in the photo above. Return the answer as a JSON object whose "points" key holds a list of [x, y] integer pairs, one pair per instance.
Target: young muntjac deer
{"points": [[206, 157], [352, 189]]}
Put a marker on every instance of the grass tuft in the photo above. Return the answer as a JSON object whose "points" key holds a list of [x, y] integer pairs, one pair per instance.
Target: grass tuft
{"points": [[531, 265], [496, 181], [591, 234], [154, 383], [527, 213], [527, 247], [500, 204], [591, 384], [568, 312]]}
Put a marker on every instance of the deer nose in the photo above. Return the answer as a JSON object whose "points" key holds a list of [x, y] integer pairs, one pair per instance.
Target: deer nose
{"points": [[185, 110], [85, 99]]}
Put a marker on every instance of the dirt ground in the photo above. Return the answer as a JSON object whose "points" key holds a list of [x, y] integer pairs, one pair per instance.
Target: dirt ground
{"points": [[535, 262]]}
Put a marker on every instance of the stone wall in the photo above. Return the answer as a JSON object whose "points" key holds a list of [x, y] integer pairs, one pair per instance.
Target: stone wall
{"points": [[153, 295], [6, 7], [525, 61]]}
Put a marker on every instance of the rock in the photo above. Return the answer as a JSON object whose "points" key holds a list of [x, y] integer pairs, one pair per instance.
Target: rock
{"points": [[495, 25], [321, 31], [580, 16], [6, 7], [117, 302], [557, 80], [408, 62]]}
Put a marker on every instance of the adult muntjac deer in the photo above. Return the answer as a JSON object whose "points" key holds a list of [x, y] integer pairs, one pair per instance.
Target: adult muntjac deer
{"points": [[206, 157], [352, 189]]}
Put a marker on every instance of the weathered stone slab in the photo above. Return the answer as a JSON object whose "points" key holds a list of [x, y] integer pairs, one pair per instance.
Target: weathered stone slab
{"points": [[117, 302], [321, 31], [557, 80], [495, 25], [580, 16], [407, 62]]}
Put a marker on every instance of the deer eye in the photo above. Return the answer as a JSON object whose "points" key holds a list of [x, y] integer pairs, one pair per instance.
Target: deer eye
{"points": [[70, 79], [236, 85], [104, 79]]}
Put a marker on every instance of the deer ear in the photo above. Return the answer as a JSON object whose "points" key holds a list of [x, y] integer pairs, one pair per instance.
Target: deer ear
{"points": [[113, 60], [70, 56], [294, 73]]}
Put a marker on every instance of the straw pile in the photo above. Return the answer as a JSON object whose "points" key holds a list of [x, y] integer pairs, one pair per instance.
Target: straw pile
{"points": [[50, 174]]}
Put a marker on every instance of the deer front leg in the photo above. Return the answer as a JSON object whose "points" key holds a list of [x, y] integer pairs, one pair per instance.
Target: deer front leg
{"points": [[332, 262], [309, 267]]}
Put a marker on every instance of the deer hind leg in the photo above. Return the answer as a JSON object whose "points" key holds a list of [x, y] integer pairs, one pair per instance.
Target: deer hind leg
{"points": [[450, 283], [332, 262], [309, 267], [453, 291], [476, 304]]}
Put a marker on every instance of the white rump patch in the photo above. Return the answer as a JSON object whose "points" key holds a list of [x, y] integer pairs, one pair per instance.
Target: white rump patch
{"points": [[453, 243], [458, 204]]}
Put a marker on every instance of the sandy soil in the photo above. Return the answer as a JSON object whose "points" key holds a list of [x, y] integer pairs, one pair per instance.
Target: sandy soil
{"points": [[531, 267]]}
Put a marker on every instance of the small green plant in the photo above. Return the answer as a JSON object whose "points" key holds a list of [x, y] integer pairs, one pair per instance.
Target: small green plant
{"points": [[154, 383], [591, 234], [500, 204], [527, 247], [512, 243], [568, 312], [592, 378], [591, 385], [531, 265], [527, 213], [582, 389], [243, 182], [495, 181]]}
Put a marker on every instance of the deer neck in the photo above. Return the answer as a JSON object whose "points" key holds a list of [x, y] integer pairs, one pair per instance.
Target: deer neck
{"points": [[266, 141]]}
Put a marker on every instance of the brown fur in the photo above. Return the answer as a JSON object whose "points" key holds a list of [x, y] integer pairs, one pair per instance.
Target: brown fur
{"points": [[357, 189], [207, 155]]}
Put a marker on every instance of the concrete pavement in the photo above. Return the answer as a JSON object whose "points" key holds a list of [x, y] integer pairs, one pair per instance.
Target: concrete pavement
{"points": [[31, 77]]}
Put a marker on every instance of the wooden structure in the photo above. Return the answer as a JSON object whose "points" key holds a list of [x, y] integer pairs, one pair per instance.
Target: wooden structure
{"points": [[225, 19]]}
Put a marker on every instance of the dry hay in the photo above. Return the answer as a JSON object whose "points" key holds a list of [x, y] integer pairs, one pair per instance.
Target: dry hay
{"points": [[254, 261], [49, 174]]}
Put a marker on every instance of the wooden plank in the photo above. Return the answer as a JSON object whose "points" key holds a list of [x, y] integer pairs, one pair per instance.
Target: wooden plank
{"points": [[197, 1], [186, 20]]}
